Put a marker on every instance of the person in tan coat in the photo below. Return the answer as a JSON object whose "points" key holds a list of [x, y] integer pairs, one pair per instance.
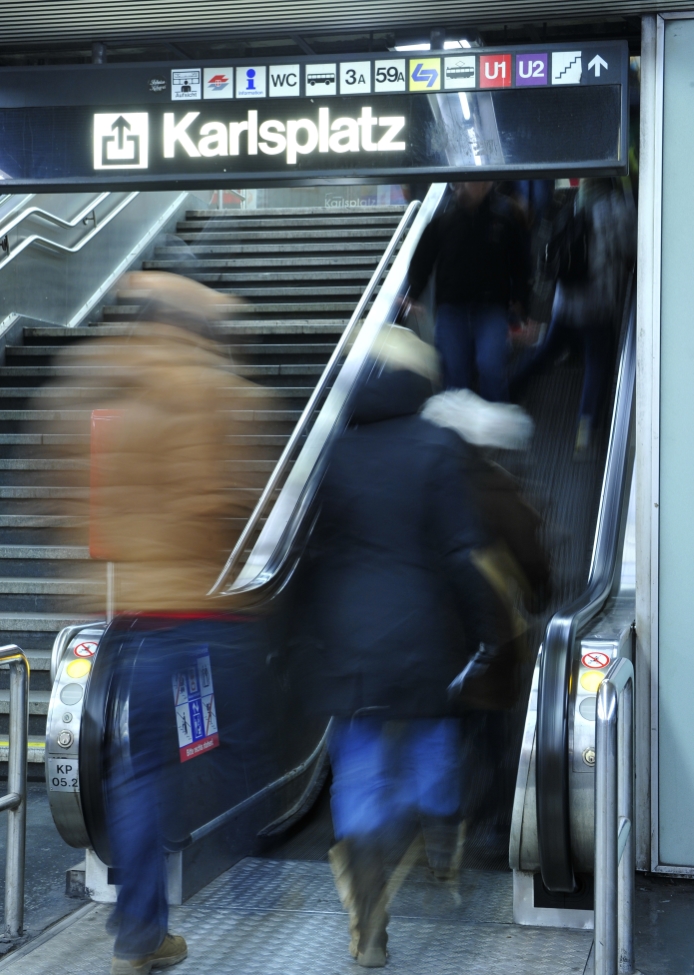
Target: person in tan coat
{"points": [[168, 499]]}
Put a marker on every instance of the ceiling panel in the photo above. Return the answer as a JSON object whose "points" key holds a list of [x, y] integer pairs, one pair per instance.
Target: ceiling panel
{"points": [[31, 21]]}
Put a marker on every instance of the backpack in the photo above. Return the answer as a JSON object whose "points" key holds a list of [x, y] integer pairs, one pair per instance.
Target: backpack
{"points": [[568, 250]]}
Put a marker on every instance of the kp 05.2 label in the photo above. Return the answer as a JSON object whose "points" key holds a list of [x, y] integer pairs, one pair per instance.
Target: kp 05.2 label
{"points": [[63, 775]]}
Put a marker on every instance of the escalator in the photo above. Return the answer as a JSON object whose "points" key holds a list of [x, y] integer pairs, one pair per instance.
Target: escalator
{"points": [[585, 508]]}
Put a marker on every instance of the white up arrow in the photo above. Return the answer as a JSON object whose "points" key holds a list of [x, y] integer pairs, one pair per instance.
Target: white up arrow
{"points": [[596, 64]]}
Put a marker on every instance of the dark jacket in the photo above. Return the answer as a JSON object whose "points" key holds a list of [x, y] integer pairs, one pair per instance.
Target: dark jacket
{"points": [[481, 255], [395, 599]]}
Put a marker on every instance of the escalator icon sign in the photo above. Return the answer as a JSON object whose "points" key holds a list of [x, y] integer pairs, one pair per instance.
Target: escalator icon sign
{"points": [[121, 140]]}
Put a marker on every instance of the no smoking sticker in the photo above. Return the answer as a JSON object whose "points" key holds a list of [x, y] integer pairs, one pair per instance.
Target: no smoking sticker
{"points": [[596, 660], [86, 649]]}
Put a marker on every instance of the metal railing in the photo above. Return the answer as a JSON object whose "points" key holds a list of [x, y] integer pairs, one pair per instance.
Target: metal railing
{"points": [[283, 521], [614, 822], [15, 802], [86, 214]]}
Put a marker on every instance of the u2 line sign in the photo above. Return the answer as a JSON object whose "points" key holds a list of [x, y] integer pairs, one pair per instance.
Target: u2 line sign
{"points": [[533, 111]]}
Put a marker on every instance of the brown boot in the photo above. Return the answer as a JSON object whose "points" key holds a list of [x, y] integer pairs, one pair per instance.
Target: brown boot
{"points": [[339, 864], [444, 840], [172, 950], [370, 900]]}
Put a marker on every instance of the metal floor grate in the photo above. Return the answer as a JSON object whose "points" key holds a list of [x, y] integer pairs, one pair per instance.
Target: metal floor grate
{"points": [[275, 917]]}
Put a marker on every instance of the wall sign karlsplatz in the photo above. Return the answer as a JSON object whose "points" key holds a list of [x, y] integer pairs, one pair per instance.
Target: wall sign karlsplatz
{"points": [[535, 111]]}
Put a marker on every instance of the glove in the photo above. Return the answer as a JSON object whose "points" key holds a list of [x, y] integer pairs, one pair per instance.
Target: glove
{"points": [[476, 667]]}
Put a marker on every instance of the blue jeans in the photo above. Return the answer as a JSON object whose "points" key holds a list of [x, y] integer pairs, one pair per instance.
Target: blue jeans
{"points": [[473, 338], [387, 772], [144, 772]]}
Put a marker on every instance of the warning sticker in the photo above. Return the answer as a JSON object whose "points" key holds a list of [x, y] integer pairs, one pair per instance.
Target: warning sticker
{"points": [[85, 649], [196, 715], [595, 659]]}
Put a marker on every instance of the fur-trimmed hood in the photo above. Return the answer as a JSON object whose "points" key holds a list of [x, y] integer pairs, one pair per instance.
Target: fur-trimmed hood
{"points": [[481, 423]]}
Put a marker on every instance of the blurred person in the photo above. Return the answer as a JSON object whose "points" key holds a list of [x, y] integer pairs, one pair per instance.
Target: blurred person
{"points": [[166, 507], [397, 607], [479, 251], [592, 252], [517, 566]]}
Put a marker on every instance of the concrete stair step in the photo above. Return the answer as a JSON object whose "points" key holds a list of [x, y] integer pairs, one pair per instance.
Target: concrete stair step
{"points": [[88, 392], [41, 521], [39, 660], [360, 276], [38, 703], [366, 261], [34, 492], [52, 416], [35, 751], [202, 247], [40, 622], [77, 371], [268, 221], [73, 553], [327, 212], [377, 236], [242, 326], [43, 439], [261, 292], [52, 586], [43, 464]]}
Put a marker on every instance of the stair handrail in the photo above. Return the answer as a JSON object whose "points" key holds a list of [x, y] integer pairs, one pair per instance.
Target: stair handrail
{"points": [[15, 800], [552, 741], [46, 242], [283, 522]]}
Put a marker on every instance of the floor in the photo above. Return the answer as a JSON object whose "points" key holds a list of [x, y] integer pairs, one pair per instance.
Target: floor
{"points": [[278, 914], [280, 917]]}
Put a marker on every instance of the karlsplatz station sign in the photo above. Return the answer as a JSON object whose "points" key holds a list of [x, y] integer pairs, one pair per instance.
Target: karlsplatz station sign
{"points": [[531, 111]]}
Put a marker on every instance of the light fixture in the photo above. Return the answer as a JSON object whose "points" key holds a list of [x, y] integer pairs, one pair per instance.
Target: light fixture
{"points": [[425, 46], [456, 45]]}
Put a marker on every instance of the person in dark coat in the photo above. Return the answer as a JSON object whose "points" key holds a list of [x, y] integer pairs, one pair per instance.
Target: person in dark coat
{"points": [[399, 608], [517, 566], [587, 312], [479, 247]]}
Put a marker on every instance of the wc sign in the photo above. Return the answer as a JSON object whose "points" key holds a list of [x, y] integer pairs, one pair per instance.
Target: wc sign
{"points": [[121, 140]]}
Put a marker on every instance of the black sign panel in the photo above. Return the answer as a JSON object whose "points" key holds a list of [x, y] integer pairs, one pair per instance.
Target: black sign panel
{"points": [[440, 116]]}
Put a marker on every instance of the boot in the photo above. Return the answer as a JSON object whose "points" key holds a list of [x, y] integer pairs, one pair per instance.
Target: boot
{"points": [[369, 887], [444, 839], [172, 950], [339, 864]]}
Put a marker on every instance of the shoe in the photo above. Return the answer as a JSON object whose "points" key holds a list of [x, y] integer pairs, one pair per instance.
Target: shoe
{"points": [[172, 950]]}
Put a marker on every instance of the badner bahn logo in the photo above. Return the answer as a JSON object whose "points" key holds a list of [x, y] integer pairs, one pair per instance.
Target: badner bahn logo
{"points": [[121, 140]]}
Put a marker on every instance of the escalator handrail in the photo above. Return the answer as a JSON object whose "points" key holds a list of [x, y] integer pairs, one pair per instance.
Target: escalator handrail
{"points": [[275, 540], [552, 743]]}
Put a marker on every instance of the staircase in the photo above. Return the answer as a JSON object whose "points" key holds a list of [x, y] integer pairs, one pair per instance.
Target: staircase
{"points": [[300, 273]]}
